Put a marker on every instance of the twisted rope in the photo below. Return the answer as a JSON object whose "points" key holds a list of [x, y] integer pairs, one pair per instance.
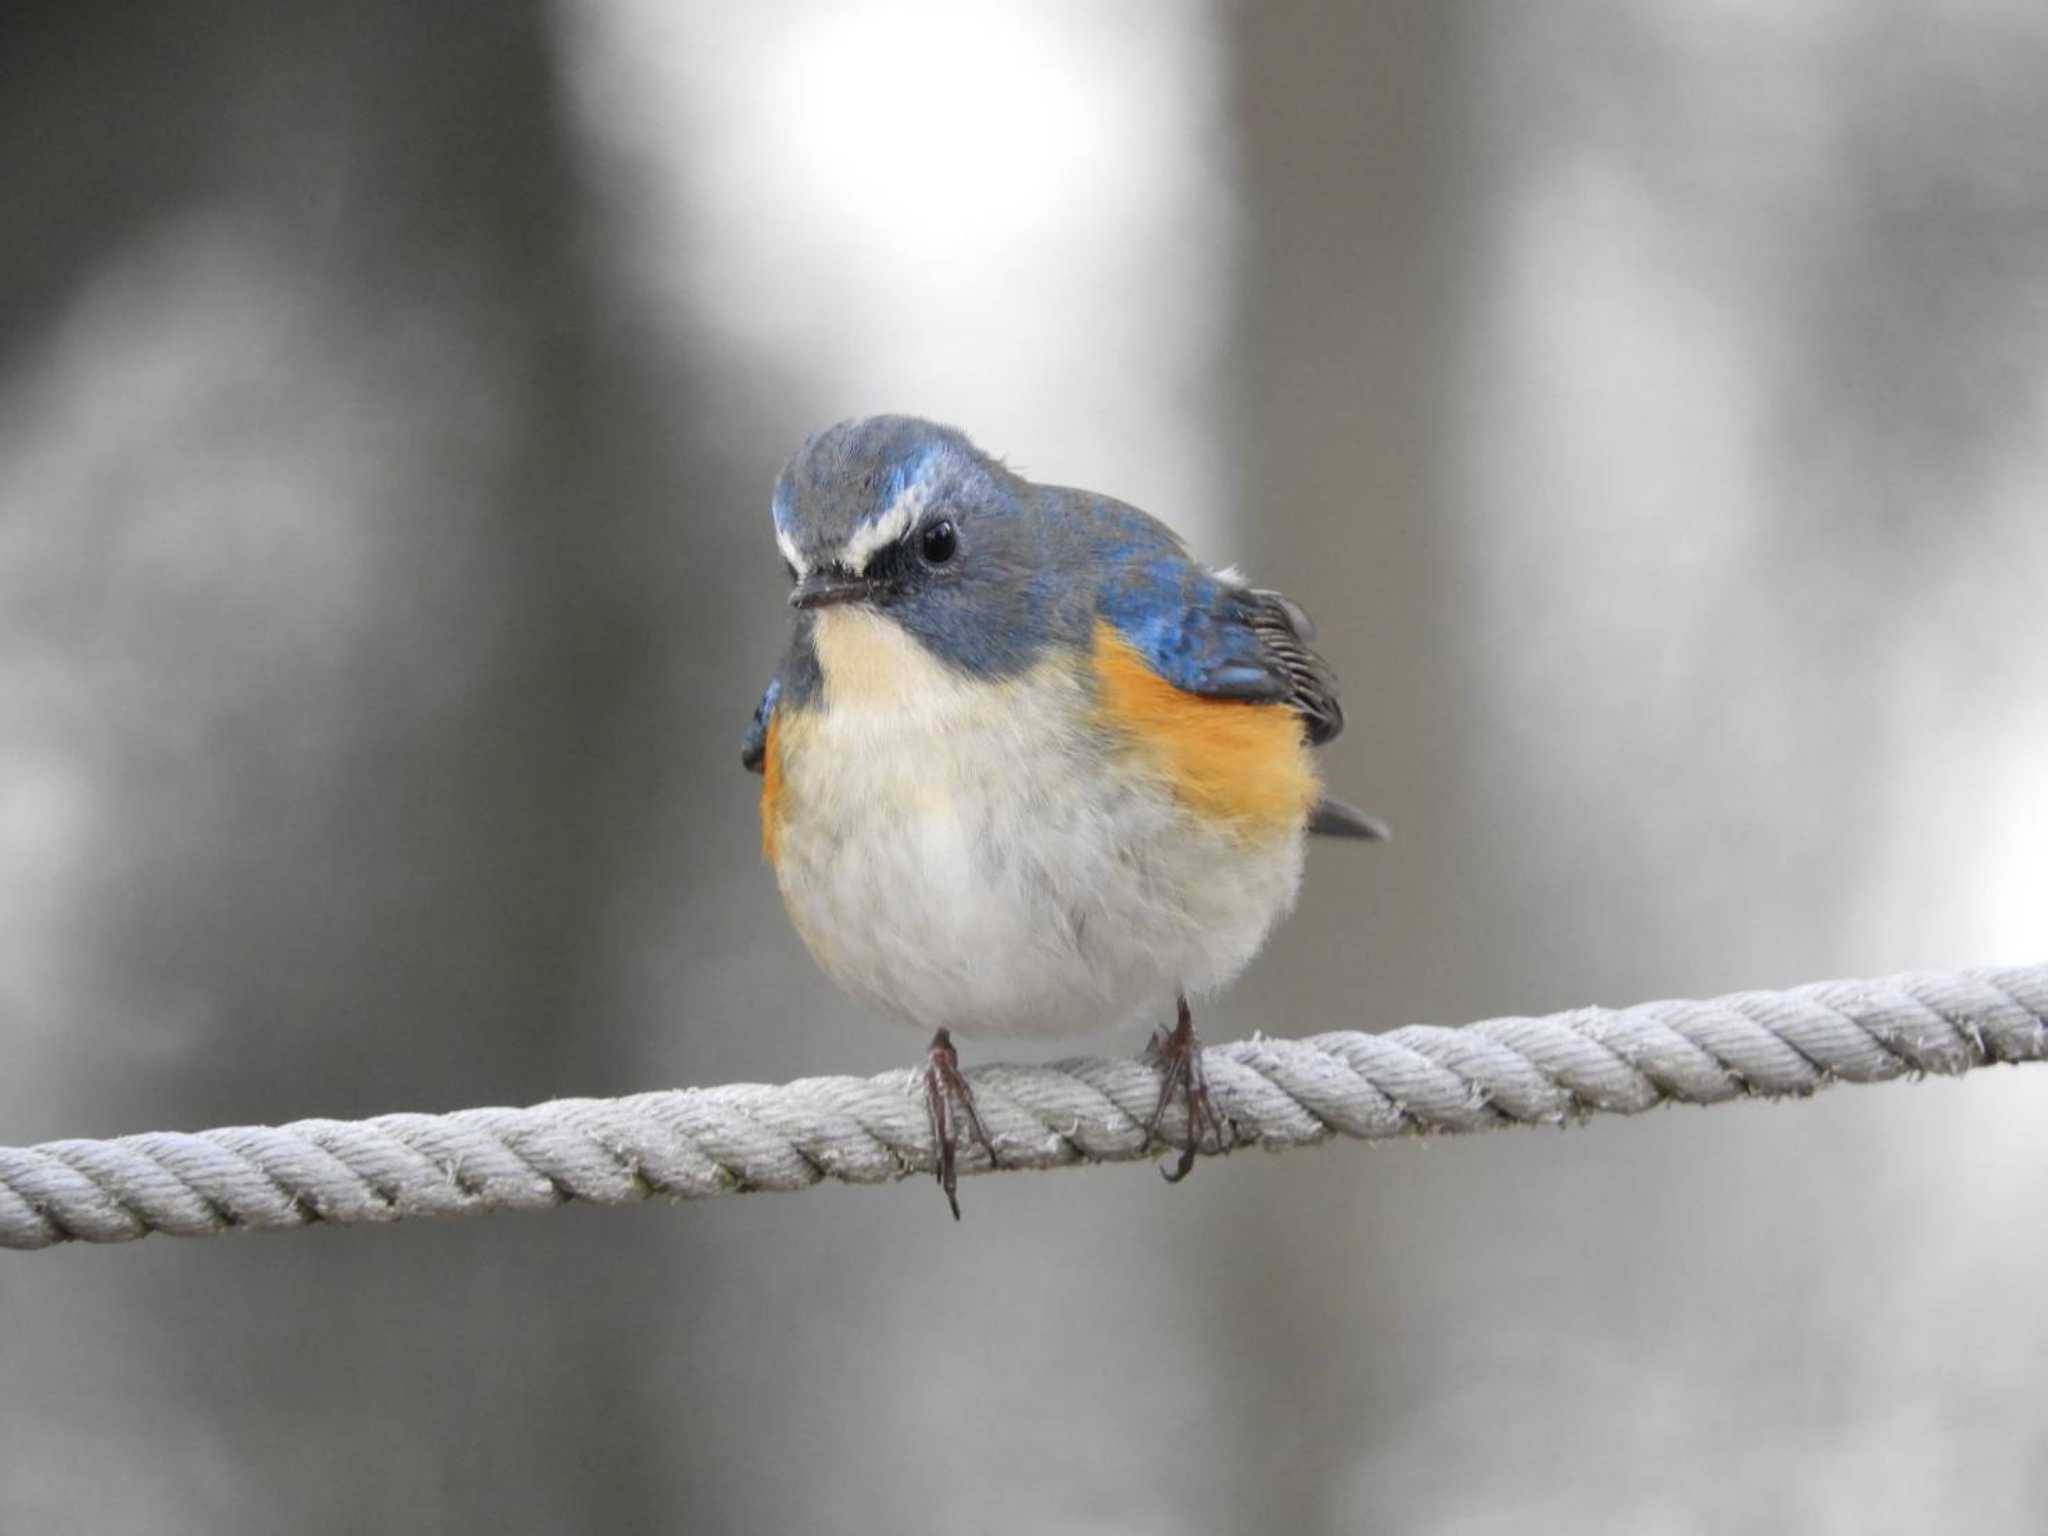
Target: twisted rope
{"points": [[692, 1143]]}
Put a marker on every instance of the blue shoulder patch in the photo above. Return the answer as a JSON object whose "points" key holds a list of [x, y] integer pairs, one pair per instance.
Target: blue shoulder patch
{"points": [[796, 684], [754, 750], [1199, 633]]}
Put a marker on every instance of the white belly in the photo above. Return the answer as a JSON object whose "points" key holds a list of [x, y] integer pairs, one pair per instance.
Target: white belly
{"points": [[985, 859]]}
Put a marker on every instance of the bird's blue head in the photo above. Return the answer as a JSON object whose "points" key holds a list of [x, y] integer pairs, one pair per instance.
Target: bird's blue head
{"points": [[911, 521]]}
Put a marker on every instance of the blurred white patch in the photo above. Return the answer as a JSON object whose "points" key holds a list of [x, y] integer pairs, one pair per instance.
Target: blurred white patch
{"points": [[1617, 500], [1697, 643], [42, 816], [1017, 219], [45, 817], [200, 475], [2010, 896], [1603, 324], [1963, 848]]}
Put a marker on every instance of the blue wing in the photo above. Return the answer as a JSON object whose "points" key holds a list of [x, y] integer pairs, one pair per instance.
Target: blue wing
{"points": [[754, 750], [794, 686], [1209, 634]]}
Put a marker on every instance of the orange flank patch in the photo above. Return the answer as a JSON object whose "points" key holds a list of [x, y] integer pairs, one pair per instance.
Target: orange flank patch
{"points": [[1227, 760], [771, 793]]}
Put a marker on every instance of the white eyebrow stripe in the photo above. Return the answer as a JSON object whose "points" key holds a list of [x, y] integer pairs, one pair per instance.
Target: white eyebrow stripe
{"points": [[872, 537], [788, 547]]}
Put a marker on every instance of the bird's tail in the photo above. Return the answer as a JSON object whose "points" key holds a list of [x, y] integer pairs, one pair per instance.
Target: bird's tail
{"points": [[1333, 818]]}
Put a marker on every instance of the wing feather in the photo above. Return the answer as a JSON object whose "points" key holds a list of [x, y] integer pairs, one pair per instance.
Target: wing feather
{"points": [[754, 747], [1286, 643], [1210, 634]]}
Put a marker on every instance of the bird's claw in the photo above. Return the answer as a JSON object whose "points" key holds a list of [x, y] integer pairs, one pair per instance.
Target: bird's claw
{"points": [[1178, 1054], [945, 1085]]}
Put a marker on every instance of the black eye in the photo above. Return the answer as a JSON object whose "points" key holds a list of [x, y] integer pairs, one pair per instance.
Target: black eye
{"points": [[939, 542]]}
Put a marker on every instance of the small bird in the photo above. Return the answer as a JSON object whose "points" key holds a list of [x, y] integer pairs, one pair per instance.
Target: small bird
{"points": [[1028, 768]]}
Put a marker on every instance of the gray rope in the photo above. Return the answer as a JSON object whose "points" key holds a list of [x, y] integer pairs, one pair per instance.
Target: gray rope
{"points": [[696, 1142]]}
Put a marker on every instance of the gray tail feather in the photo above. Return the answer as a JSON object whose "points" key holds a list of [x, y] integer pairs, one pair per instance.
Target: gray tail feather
{"points": [[1333, 818]]}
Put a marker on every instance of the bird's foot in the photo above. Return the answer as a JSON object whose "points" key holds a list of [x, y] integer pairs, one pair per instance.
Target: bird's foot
{"points": [[944, 1087], [1178, 1055]]}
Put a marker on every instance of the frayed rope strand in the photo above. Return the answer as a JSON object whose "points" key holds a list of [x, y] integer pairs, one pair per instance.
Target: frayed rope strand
{"points": [[692, 1143]]}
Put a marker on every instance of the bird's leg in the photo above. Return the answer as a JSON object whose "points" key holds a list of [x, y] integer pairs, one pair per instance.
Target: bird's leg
{"points": [[1179, 1057], [943, 1085]]}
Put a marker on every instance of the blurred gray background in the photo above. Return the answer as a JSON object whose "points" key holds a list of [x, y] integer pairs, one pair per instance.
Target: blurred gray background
{"points": [[1648, 400]]}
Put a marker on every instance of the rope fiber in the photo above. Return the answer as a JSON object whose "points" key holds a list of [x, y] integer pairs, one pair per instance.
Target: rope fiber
{"points": [[692, 1143]]}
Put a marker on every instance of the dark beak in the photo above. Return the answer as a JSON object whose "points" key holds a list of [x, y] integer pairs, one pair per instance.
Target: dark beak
{"points": [[824, 588]]}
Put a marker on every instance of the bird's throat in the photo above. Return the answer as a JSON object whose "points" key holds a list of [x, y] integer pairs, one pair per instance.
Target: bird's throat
{"points": [[871, 662]]}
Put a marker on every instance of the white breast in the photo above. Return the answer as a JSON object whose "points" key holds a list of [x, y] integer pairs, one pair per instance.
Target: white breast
{"points": [[987, 858]]}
